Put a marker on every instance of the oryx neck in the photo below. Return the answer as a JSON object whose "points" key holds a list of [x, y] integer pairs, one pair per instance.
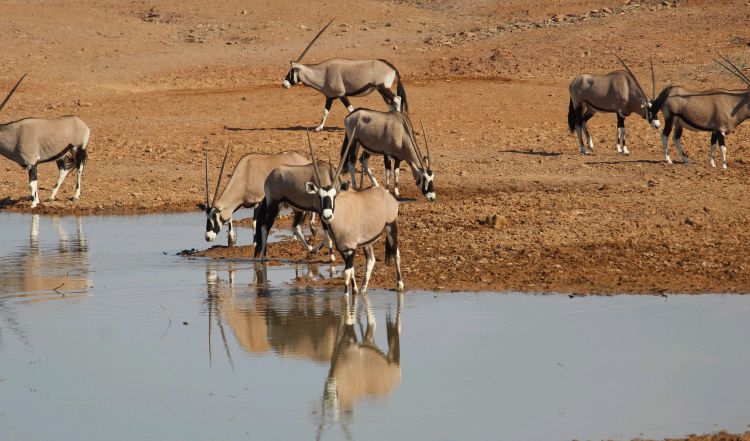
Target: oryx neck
{"points": [[312, 76]]}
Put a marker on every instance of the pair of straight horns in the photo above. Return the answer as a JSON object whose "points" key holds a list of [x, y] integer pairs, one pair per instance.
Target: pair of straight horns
{"points": [[632, 75], [341, 163], [734, 70]]}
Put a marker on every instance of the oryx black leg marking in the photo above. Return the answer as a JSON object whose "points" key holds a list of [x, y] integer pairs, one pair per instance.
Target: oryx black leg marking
{"points": [[391, 251], [585, 121], [665, 138], [678, 144], [351, 162], [345, 101], [387, 164], [81, 154], [714, 140], [33, 186], [579, 128], [266, 224], [326, 111]]}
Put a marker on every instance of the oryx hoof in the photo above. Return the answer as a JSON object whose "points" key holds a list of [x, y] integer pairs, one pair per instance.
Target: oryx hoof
{"points": [[400, 286], [686, 161], [34, 203], [724, 166], [231, 243], [669, 160], [712, 163], [50, 199], [319, 128], [76, 198], [332, 258]]}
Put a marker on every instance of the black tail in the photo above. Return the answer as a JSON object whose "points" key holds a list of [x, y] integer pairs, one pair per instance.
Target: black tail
{"points": [[658, 103], [391, 243], [401, 93], [571, 116], [260, 220]]}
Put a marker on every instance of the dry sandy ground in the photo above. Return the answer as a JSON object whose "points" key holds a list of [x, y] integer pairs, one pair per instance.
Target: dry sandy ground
{"points": [[488, 78]]}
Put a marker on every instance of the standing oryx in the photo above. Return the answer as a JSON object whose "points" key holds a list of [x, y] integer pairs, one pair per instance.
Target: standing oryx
{"points": [[389, 134], [340, 78], [33, 141], [245, 189], [718, 111], [616, 92], [357, 219], [286, 185]]}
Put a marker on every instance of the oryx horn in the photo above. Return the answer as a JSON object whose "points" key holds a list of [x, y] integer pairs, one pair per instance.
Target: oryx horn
{"points": [[314, 160], [344, 156], [12, 91], [424, 132], [221, 174], [736, 71], [414, 140], [653, 76], [632, 75], [313, 41], [205, 151]]}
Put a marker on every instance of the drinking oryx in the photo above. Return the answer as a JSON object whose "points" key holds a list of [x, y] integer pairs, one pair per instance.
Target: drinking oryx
{"points": [[245, 189], [33, 141], [616, 92], [389, 134], [718, 111], [340, 78], [357, 219], [286, 185]]}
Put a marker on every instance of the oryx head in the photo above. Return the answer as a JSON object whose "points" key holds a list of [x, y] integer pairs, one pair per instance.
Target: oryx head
{"points": [[12, 91], [647, 111], [214, 222], [327, 193], [292, 76], [425, 176]]}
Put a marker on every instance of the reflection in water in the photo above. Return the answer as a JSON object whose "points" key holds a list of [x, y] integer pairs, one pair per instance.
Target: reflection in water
{"points": [[36, 273], [326, 328]]}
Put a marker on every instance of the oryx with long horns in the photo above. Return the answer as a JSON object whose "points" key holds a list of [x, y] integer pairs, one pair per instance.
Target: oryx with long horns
{"points": [[340, 78], [616, 92], [718, 111], [357, 219], [245, 190], [33, 141], [286, 185], [389, 134]]}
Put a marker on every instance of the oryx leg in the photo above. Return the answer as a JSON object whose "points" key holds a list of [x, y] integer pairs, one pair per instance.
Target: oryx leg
{"points": [[311, 223], [80, 156], [267, 220], [349, 272], [390, 98], [297, 228], [326, 111], [351, 161], [723, 149], [396, 169], [590, 141], [665, 138], [714, 140], [63, 170], [366, 168], [345, 101], [621, 145], [33, 186], [387, 164], [579, 130], [677, 137], [231, 233], [391, 237], [369, 265]]}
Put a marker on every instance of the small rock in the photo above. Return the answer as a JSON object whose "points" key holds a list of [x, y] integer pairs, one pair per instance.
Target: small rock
{"points": [[689, 221], [606, 10], [83, 103], [498, 222]]}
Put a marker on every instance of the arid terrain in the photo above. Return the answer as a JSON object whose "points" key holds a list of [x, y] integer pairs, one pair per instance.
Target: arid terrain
{"points": [[518, 207]]}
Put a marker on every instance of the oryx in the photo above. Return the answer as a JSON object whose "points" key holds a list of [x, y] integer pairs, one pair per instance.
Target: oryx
{"points": [[616, 92], [33, 141], [357, 219], [389, 134], [340, 78], [718, 111], [245, 189], [286, 185]]}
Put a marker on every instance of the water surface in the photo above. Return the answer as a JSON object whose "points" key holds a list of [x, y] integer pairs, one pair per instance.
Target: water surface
{"points": [[106, 334]]}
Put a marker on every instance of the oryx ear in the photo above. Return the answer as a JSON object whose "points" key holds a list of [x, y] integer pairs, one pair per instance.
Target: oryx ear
{"points": [[344, 186], [310, 188], [645, 103]]}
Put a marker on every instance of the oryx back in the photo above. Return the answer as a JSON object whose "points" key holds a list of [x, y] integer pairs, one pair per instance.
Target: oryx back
{"points": [[355, 77], [287, 184], [31, 141], [718, 110], [613, 92], [382, 133], [361, 216]]}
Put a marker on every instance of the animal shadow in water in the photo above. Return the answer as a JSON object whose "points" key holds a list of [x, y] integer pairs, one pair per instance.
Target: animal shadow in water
{"points": [[532, 152], [283, 129]]}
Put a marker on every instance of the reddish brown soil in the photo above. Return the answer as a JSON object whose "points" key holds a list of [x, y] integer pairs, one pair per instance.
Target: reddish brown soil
{"points": [[489, 79], [720, 436]]}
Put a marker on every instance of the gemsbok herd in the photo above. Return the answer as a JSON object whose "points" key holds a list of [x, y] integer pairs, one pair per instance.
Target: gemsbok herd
{"points": [[353, 216]]}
